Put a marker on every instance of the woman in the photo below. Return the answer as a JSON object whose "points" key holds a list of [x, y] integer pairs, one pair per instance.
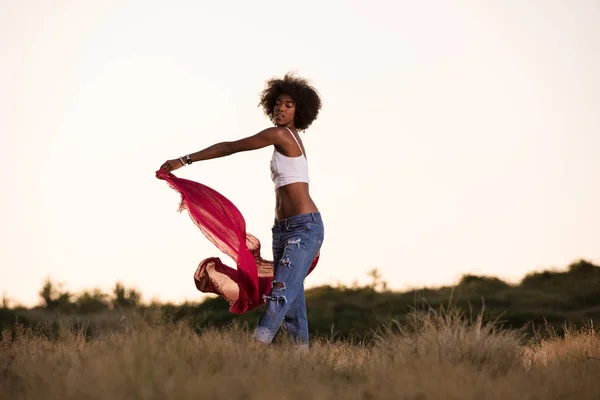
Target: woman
{"points": [[292, 104]]}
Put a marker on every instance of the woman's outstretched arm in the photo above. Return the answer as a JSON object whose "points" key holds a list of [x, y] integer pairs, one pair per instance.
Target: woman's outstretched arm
{"points": [[267, 137]]}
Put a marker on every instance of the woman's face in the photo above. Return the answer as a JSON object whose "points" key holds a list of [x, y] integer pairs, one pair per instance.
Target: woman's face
{"points": [[284, 110]]}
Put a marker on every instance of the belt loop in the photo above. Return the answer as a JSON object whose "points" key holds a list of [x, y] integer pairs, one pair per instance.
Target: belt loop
{"points": [[313, 216]]}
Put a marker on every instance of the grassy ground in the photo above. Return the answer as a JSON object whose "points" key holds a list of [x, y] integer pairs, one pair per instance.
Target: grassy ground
{"points": [[434, 355]]}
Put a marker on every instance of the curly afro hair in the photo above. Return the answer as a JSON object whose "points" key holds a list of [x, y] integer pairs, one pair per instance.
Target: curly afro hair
{"points": [[306, 97]]}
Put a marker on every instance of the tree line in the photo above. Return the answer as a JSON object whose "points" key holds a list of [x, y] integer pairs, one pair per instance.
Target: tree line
{"points": [[553, 298]]}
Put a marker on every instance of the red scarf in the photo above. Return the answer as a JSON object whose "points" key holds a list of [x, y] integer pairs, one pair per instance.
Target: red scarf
{"points": [[223, 224]]}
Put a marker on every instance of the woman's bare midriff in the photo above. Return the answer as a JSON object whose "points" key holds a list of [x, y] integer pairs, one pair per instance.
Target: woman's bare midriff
{"points": [[293, 199]]}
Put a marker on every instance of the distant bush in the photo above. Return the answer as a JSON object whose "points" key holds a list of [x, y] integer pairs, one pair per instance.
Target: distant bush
{"points": [[581, 275], [92, 301], [55, 298], [9, 319], [124, 298], [482, 284], [538, 278], [583, 267]]}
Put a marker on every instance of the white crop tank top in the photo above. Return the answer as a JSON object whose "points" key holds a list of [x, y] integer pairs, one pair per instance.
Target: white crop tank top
{"points": [[286, 170]]}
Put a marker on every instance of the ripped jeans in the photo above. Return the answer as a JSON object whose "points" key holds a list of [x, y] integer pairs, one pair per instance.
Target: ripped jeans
{"points": [[296, 242]]}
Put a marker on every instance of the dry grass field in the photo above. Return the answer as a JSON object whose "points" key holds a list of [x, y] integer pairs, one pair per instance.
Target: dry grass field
{"points": [[436, 355]]}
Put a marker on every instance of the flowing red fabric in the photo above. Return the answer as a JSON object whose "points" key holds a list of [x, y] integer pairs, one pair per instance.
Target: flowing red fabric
{"points": [[223, 224]]}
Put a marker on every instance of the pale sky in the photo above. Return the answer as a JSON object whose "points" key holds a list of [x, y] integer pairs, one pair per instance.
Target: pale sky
{"points": [[455, 136]]}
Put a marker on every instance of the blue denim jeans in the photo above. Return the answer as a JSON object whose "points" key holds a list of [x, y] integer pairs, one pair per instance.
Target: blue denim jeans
{"points": [[296, 242]]}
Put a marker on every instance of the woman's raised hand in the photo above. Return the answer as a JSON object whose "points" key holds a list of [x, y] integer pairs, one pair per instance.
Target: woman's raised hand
{"points": [[172, 165]]}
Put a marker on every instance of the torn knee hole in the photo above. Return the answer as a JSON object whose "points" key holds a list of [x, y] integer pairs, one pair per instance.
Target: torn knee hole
{"points": [[293, 241], [277, 299], [279, 285]]}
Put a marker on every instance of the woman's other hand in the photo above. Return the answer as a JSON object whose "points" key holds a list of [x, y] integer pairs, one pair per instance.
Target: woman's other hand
{"points": [[172, 165]]}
